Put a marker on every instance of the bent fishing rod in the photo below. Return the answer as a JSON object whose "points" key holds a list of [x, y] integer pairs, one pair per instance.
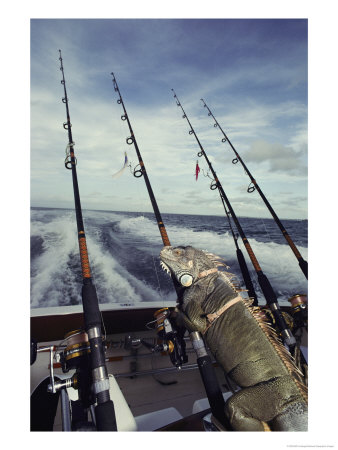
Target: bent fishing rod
{"points": [[254, 185], [178, 355], [263, 281], [104, 410]]}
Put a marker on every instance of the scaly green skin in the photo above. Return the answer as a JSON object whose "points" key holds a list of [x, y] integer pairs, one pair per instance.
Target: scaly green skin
{"points": [[272, 390]]}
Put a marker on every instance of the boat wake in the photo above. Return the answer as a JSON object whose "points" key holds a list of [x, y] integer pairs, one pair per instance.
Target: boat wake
{"points": [[123, 252]]}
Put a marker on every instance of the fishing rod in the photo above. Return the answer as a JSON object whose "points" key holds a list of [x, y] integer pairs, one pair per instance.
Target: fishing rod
{"points": [[178, 355], [252, 186], [142, 170], [241, 260], [179, 358], [263, 281], [104, 410]]}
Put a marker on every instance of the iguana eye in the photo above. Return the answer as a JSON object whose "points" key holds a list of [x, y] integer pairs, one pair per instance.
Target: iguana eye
{"points": [[178, 252]]}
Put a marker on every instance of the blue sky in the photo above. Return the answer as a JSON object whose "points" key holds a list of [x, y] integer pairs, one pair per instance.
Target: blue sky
{"points": [[252, 73]]}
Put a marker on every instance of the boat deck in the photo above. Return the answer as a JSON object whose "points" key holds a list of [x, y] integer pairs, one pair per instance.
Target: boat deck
{"points": [[149, 382]]}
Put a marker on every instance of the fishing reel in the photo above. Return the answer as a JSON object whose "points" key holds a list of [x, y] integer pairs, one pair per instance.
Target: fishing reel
{"points": [[75, 355], [77, 352], [72, 354], [297, 318], [267, 314], [55, 384], [172, 339], [299, 310]]}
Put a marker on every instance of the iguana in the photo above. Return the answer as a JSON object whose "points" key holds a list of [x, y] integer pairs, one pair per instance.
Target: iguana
{"points": [[272, 395]]}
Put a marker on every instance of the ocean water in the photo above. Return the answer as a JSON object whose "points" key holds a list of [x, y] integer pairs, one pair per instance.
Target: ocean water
{"points": [[124, 248]]}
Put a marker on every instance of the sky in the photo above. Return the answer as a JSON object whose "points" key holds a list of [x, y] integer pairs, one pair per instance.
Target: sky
{"points": [[252, 73]]}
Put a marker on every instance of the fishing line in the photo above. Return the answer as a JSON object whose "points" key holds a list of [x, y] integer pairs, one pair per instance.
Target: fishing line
{"points": [[158, 280], [148, 323], [266, 231], [130, 168]]}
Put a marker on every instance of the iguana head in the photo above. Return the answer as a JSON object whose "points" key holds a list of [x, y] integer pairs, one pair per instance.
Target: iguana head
{"points": [[188, 264]]}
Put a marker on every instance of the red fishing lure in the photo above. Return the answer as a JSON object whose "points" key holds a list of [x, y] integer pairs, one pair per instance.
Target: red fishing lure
{"points": [[197, 170]]}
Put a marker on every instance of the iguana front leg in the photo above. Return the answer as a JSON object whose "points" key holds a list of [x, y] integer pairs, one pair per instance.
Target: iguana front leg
{"points": [[194, 318]]}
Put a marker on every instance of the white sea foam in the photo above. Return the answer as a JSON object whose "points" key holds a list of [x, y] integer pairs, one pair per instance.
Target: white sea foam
{"points": [[51, 270], [276, 260], [117, 284], [51, 266], [53, 281], [140, 226]]}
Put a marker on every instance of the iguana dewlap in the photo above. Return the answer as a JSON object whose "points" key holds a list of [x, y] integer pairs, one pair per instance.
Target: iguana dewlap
{"points": [[272, 391]]}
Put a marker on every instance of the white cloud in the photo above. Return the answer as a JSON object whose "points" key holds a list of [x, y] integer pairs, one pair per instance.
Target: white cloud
{"points": [[279, 157]]}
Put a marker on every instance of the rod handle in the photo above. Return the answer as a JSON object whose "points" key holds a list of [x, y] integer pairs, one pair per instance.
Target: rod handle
{"points": [[105, 416]]}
